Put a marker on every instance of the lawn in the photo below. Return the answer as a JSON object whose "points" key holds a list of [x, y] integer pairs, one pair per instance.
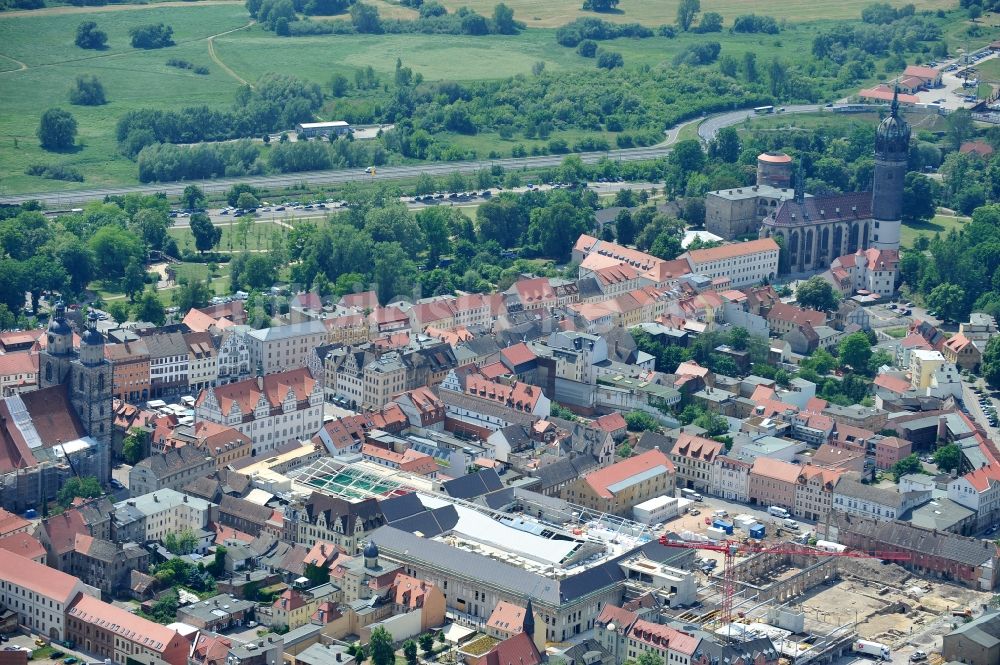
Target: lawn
{"points": [[940, 224], [257, 239]]}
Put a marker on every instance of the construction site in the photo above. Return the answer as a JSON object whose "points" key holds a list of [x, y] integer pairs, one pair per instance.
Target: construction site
{"points": [[814, 605]]}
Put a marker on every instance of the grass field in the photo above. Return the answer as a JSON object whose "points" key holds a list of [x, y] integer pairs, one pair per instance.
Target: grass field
{"points": [[258, 238], [940, 224], [558, 12]]}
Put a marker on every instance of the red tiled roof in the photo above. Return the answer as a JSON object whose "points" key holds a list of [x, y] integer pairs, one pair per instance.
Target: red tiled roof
{"points": [[19, 362], [23, 544], [520, 396], [506, 617], [885, 93], [276, 387], [796, 315], [732, 250], [516, 650], [602, 479], [894, 383], [31, 575], [123, 623], [922, 72], [534, 290], [697, 448], [518, 354], [775, 469], [611, 422], [976, 148], [63, 528], [663, 637], [10, 523]]}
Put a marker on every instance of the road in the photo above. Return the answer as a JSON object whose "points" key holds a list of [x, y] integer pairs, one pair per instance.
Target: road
{"points": [[314, 178], [707, 130]]}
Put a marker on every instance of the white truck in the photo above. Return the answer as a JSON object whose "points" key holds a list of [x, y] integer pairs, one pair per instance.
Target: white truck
{"points": [[875, 649], [778, 511]]}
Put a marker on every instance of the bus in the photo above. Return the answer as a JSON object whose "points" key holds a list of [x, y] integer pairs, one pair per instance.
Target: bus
{"points": [[763, 110]]}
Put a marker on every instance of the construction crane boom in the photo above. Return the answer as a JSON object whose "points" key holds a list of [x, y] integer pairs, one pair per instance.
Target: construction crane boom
{"points": [[734, 548]]}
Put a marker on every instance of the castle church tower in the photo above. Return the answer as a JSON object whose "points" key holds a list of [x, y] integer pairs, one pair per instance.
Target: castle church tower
{"points": [[892, 147]]}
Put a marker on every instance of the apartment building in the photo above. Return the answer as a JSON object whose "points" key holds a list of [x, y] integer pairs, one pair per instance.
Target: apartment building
{"points": [[814, 492], [130, 370], [203, 361], [39, 595], [745, 263], [620, 487], [694, 457], [272, 410], [173, 468], [773, 483], [285, 348], [122, 637], [168, 363], [164, 511]]}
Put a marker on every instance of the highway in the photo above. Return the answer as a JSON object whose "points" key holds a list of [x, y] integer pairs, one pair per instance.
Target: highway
{"points": [[63, 200], [707, 130]]}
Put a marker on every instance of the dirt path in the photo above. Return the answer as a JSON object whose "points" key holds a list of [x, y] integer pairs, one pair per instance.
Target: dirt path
{"points": [[20, 65], [57, 11], [217, 60]]}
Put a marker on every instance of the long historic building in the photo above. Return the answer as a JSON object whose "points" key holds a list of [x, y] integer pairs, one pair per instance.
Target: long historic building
{"points": [[814, 231]]}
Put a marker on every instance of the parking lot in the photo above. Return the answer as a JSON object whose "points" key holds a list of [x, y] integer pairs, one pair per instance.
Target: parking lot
{"points": [[57, 654]]}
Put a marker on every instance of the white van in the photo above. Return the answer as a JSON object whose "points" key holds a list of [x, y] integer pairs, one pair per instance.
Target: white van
{"points": [[778, 511], [790, 524]]}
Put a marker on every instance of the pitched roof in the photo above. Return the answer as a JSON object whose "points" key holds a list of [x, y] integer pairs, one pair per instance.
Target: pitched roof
{"points": [[275, 388], [796, 315], [611, 422], [149, 634], [775, 469], [731, 251], [609, 480], [697, 448], [23, 544], [519, 649], [663, 637], [506, 617], [9, 522], [45, 581], [829, 208], [922, 72]]}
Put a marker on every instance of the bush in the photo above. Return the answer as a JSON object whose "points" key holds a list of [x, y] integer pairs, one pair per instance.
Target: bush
{"points": [[751, 23], [609, 60], [587, 48], [88, 36], [152, 36], [179, 64], [55, 172], [698, 54], [87, 91], [573, 33], [432, 9]]}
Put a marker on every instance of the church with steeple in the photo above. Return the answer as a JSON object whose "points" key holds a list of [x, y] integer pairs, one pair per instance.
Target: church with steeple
{"points": [[86, 375], [814, 231]]}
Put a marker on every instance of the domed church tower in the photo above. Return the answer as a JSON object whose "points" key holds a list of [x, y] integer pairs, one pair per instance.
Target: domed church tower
{"points": [[892, 147]]}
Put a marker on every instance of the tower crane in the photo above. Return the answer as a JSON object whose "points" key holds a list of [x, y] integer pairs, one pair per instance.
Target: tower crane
{"points": [[730, 549]]}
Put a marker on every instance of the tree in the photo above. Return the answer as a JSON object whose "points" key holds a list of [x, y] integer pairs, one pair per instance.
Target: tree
{"points": [[726, 145], [380, 647], [960, 127], [193, 198], [991, 362], [948, 458], [192, 294], [114, 248], [365, 18], [739, 338], [427, 643], [410, 652], [948, 300], [855, 351], [316, 574], [687, 156], [89, 37], [118, 310], [247, 201], [87, 91], [206, 234], [710, 22], [133, 280], [599, 5], [233, 195], [77, 487], [154, 35], [686, 11], [713, 423], [135, 446], [181, 542], [640, 421], [149, 308], [57, 130], [503, 20], [907, 465], [918, 197], [816, 293], [394, 273]]}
